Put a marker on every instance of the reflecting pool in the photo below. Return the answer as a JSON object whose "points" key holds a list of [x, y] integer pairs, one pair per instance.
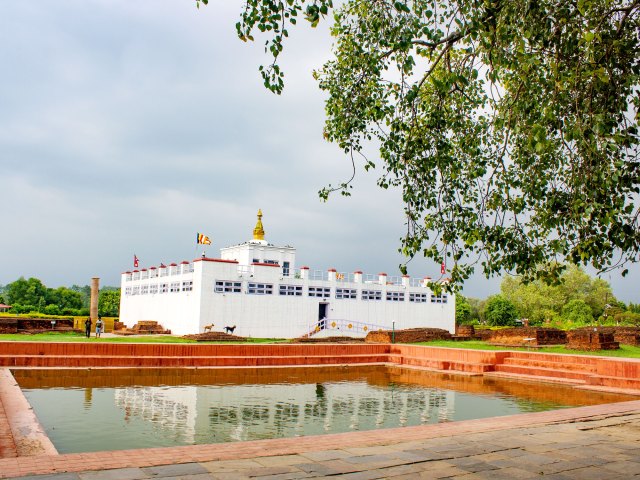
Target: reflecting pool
{"points": [[113, 409]]}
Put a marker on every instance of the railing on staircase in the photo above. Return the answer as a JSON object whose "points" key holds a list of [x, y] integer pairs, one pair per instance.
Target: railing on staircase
{"points": [[341, 326]]}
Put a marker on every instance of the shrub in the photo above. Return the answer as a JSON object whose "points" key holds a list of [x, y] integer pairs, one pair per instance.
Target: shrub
{"points": [[52, 310], [628, 318]]}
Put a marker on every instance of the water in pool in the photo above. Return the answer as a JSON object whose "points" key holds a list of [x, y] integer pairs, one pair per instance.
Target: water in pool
{"points": [[109, 409]]}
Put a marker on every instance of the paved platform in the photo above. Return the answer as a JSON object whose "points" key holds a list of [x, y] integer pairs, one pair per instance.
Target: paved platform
{"points": [[595, 442]]}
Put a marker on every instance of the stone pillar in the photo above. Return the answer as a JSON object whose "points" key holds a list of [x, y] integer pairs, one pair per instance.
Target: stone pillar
{"points": [[406, 280], [331, 275], [93, 309], [357, 276]]}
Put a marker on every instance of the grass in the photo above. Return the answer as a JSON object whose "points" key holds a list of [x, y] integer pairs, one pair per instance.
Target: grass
{"points": [[79, 337], [626, 351]]}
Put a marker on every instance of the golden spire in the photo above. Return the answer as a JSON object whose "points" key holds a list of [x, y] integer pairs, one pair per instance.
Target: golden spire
{"points": [[258, 232]]}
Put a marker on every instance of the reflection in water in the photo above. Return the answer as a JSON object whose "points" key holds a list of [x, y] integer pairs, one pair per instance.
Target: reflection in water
{"points": [[145, 408], [88, 395]]}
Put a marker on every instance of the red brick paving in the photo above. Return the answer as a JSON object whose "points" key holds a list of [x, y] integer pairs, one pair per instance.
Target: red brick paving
{"points": [[77, 462]]}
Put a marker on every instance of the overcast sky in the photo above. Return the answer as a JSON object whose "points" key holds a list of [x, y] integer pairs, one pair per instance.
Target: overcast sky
{"points": [[127, 127]]}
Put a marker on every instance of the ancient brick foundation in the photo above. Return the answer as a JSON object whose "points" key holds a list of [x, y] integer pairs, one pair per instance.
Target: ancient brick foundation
{"points": [[214, 337], [528, 336], [410, 335], [465, 330], [590, 339], [143, 327], [624, 335], [33, 325]]}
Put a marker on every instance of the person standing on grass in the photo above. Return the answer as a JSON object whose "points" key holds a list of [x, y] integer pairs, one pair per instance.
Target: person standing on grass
{"points": [[87, 327], [99, 326]]}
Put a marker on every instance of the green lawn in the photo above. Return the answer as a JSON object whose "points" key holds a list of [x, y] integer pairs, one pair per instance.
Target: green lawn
{"points": [[79, 337], [625, 350]]}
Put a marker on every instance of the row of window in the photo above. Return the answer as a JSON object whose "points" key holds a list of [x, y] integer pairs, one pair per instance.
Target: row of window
{"points": [[255, 288], [160, 272], [153, 288]]}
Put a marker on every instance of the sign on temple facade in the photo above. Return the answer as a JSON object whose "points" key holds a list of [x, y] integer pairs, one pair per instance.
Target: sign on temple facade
{"points": [[257, 288]]}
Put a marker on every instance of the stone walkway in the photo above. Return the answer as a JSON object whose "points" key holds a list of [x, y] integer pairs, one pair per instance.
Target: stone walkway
{"points": [[596, 442]]}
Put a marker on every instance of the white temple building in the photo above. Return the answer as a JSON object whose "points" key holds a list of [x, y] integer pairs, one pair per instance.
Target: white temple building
{"points": [[257, 288]]}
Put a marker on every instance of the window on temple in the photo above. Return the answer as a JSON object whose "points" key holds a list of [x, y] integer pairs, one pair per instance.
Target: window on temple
{"points": [[259, 288], [395, 296], [439, 298], [224, 286], [292, 290], [342, 293], [321, 292], [371, 295], [418, 297]]}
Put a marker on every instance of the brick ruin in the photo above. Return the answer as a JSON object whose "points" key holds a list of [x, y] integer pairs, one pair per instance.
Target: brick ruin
{"points": [[214, 337], [528, 336], [624, 335], [143, 327], [35, 325], [409, 335], [591, 338]]}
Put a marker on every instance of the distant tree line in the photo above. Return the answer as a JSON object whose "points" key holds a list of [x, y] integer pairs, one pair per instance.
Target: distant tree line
{"points": [[32, 296], [576, 300]]}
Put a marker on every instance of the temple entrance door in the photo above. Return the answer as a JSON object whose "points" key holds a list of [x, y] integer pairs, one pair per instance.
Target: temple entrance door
{"points": [[322, 315]]}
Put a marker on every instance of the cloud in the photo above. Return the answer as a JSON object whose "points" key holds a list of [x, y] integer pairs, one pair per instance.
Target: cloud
{"points": [[127, 127]]}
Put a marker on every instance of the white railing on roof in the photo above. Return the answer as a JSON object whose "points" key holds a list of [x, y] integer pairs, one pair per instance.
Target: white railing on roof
{"points": [[394, 280], [370, 278], [319, 275], [345, 277], [295, 273], [416, 282]]}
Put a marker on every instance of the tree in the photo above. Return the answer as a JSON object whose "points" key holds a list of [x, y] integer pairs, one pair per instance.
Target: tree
{"points": [[27, 292], [463, 310], [500, 312], [534, 300], [85, 292], [577, 312], [64, 298], [538, 301], [511, 127], [109, 302]]}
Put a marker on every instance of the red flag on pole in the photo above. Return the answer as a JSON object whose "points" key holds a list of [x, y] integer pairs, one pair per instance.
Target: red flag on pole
{"points": [[443, 268], [135, 261]]}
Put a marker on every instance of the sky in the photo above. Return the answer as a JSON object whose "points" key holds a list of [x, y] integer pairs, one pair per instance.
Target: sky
{"points": [[128, 127]]}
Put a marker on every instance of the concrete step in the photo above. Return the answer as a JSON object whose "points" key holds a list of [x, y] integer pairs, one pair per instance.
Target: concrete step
{"points": [[184, 361], [469, 367], [615, 382], [535, 362], [535, 378], [543, 372]]}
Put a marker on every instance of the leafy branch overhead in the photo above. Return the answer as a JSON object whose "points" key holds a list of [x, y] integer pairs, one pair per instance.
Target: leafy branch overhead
{"points": [[511, 126]]}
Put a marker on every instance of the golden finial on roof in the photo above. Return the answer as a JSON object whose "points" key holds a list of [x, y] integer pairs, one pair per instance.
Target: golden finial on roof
{"points": [[258, 232]]}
